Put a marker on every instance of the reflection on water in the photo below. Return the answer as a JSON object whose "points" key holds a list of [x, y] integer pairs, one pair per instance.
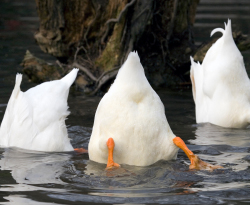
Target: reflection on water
{"points": [[29, 168], [28, 171], [208, 134], [220, 187], [23, 200], [223, 145], [33, 167]]}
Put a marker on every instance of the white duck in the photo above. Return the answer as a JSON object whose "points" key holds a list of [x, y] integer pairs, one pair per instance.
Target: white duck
{"points": [[132, 115], [35, 119], [221, 87]]}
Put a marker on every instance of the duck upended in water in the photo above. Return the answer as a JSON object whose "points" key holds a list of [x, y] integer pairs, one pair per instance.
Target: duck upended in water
{"points": [[35, 119], [132, 116], [221, 87]]}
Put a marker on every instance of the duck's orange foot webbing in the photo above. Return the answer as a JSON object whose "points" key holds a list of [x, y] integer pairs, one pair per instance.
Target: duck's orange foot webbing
{"points": [[80, 150], [111, 164], [196, 162]]}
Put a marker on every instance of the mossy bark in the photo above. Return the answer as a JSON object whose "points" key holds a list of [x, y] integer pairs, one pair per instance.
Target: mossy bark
{"points": [[39, 71], [111, 55], [106, 31]]}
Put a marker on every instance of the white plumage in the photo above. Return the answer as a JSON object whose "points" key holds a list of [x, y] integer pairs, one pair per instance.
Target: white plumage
{"points": [[133, 115], [35, 119], [221, 87]]}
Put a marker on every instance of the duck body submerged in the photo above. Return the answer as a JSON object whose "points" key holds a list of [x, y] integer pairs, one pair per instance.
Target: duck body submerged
{"points": [[35, 119], [133, 115], [221, 87]]}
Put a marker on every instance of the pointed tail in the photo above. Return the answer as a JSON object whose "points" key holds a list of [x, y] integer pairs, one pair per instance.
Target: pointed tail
{"points": [[192, 78], [70, 77], [16, 89], [196, 75]]}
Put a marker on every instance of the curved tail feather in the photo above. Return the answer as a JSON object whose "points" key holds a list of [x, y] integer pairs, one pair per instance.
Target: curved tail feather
{"points": [[227, 31]]}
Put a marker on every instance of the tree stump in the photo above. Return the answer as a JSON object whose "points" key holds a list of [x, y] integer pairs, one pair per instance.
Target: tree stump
{"points": [[97, 36]]}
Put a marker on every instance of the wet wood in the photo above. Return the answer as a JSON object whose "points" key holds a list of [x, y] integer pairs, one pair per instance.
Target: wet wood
{"points": [[39, 70], [106, 31]]}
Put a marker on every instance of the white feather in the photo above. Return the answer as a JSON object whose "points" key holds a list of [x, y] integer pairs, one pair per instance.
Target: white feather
{"points": [[35, 119], [134, 116], [221, 84]]}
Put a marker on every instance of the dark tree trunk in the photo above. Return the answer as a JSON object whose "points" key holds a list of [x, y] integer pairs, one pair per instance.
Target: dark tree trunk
{"points": [[97, 35]]}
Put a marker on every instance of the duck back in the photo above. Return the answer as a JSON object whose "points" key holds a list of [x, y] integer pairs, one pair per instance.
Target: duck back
{"points": [[134, 116], [35, 119], [221, 83]]}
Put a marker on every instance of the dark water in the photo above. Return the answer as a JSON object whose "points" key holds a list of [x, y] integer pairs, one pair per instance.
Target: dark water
{"points": [[67, 178]]}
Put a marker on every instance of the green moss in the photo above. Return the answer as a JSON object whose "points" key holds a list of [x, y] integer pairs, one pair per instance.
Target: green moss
{"points": [[111, 55]]}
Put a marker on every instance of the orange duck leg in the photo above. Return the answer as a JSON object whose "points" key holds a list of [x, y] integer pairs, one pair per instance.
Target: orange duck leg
{"points": [[196, 162], [111, 164]]}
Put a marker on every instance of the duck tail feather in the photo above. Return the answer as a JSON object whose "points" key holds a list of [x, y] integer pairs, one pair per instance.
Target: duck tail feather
{"points": [[217, 30], [17, 85], [70, 77]]}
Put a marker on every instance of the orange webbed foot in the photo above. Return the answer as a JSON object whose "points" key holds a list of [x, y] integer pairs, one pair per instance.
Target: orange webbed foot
{"points": [[196, 162], [81, 150], [111, 164]]}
